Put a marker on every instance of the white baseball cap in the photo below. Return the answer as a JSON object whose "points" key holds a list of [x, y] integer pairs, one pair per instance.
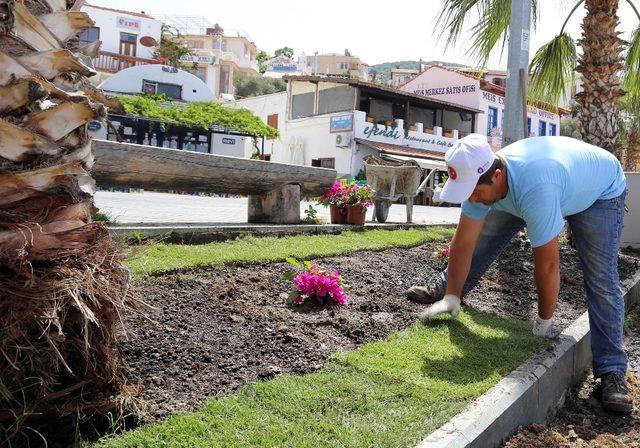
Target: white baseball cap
{"points": [[466, 161]]}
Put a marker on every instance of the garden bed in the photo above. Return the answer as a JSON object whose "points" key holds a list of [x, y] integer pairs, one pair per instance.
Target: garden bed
{"points": [[582, 423], [217, 329]]}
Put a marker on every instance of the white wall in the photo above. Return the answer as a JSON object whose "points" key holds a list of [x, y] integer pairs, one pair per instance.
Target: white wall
{"points": [[631, 230], [263, 106], [489, 99], [111, 27], [130, 81], [440, 83]]}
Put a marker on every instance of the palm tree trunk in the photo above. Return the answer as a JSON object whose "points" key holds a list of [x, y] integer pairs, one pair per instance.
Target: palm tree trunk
{"points": [[600, 65], [63, 286], [633, 151]]}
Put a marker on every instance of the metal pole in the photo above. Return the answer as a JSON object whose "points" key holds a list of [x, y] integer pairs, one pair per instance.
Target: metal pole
{"points": [[514, 110]]}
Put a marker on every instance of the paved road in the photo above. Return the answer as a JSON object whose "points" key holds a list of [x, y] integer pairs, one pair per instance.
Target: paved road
{"points": [[148, 207]]}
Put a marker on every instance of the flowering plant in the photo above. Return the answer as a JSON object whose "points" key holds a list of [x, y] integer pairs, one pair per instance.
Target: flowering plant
{"points": [[315, 283], [336, 195], [442, 256], [359, 195]]}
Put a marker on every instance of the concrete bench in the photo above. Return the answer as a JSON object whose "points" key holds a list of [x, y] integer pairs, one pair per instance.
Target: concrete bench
{"points": [[274, 189]]}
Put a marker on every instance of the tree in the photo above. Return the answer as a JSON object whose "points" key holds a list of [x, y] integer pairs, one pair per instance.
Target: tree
{"points": [[262, 57], [249, 85], [65, 290], [554, 64], [171, 48], [287, 52]]}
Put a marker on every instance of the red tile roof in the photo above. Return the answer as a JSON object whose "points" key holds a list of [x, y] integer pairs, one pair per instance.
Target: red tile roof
{"points": [[400, 150], [121, 11]]}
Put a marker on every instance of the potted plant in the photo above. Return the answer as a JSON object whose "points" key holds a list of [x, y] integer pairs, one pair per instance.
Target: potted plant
{"points": [[358, 199], [335, 198]]}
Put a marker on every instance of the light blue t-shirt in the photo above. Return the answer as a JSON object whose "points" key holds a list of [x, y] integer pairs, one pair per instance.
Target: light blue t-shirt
{"points": [[550, 178]]}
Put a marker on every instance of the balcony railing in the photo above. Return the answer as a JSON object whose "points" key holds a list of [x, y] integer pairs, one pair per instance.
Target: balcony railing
{"points": [[114, 62]]}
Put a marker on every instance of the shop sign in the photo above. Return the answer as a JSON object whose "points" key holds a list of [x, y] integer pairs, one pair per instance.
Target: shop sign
{"points": [[398, 137], [198, 59], [341, 123], [94, 125], [453, 90], [128, 23]]}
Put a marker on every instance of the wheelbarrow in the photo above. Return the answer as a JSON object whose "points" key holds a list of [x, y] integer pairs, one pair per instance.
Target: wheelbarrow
{"points": [[390, 181]]}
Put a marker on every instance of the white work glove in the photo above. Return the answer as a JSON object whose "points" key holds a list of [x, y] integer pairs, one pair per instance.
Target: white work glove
{"points": [[436, 195], [544, 328], [450, 303]]}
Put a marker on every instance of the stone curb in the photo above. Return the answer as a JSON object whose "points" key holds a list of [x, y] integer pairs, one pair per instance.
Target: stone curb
{"points": [[531, 393], [207, 233]]}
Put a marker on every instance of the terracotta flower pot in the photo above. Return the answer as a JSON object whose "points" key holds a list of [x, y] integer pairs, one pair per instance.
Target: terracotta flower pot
{"points": [[356, 214], [338, 214]]}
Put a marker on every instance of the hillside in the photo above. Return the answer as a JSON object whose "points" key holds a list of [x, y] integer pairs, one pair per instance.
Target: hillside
{"points": [[383, 71]]}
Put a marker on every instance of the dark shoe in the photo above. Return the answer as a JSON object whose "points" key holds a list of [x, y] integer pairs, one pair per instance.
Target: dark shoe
{"points": [[426, 294], [615, 393]]}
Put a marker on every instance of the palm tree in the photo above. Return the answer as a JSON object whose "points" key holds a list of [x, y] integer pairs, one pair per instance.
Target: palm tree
{"points": [[554, 65], [63, 285]]}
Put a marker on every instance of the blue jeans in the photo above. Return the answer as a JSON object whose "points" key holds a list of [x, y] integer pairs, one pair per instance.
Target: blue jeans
{"points": [[596, 233]]}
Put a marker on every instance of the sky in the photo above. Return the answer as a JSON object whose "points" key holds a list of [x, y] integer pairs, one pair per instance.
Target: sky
{"points": [[376, 31]]}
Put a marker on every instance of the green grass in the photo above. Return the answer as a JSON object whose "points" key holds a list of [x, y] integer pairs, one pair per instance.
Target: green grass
{"points": [[171, 257], [389, 393]]}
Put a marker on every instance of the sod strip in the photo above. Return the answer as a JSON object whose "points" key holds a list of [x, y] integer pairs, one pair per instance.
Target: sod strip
{"points": [[170, 257], [390, 393]]}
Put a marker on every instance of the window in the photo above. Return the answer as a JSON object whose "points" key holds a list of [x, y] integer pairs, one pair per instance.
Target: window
{"points": [[542, 128], [195, 44], [272, 120], [529, 126], [492, 119], [201, 73], [336, 99], [343, 65], [553, 129], [89, 36], [324, 163], [225, 75], [497, 81], [171, 90], [128, 44]]}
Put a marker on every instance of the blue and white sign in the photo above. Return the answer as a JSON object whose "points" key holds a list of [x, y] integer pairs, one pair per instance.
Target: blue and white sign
{"points": [[229, 141], [341, 123], [94, 125]]}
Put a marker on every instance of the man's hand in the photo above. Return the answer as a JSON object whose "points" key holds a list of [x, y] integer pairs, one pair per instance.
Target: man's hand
{"points": [[449, 304]]}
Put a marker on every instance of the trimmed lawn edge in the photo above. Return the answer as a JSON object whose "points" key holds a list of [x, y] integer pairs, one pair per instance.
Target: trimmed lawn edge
{"points": [[159, 259]]}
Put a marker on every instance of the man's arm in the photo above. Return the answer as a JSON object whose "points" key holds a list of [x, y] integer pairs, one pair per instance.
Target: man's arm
{"points": [[547, 275], [461, 251]]}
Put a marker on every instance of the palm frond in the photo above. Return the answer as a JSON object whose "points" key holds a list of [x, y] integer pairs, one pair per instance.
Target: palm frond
{"points": [[552, 68], [489, 31], [492, 27], [631, 82], [452, 17]]}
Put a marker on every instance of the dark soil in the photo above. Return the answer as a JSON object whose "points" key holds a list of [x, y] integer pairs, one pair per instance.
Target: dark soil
{"points": [[216, 329], [582, 422]]}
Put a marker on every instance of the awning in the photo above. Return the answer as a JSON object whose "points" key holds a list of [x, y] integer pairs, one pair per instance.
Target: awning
{"points": [[425, 158], [429, 164]]}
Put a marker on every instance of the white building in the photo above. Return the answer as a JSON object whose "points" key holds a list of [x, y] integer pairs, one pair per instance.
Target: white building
{"points": [[128, 38], [335, 122], [177, 84], [466, 89]]}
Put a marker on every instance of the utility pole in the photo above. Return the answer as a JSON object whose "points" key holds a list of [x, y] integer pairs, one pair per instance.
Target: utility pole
{"points": [[515, 110]]}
